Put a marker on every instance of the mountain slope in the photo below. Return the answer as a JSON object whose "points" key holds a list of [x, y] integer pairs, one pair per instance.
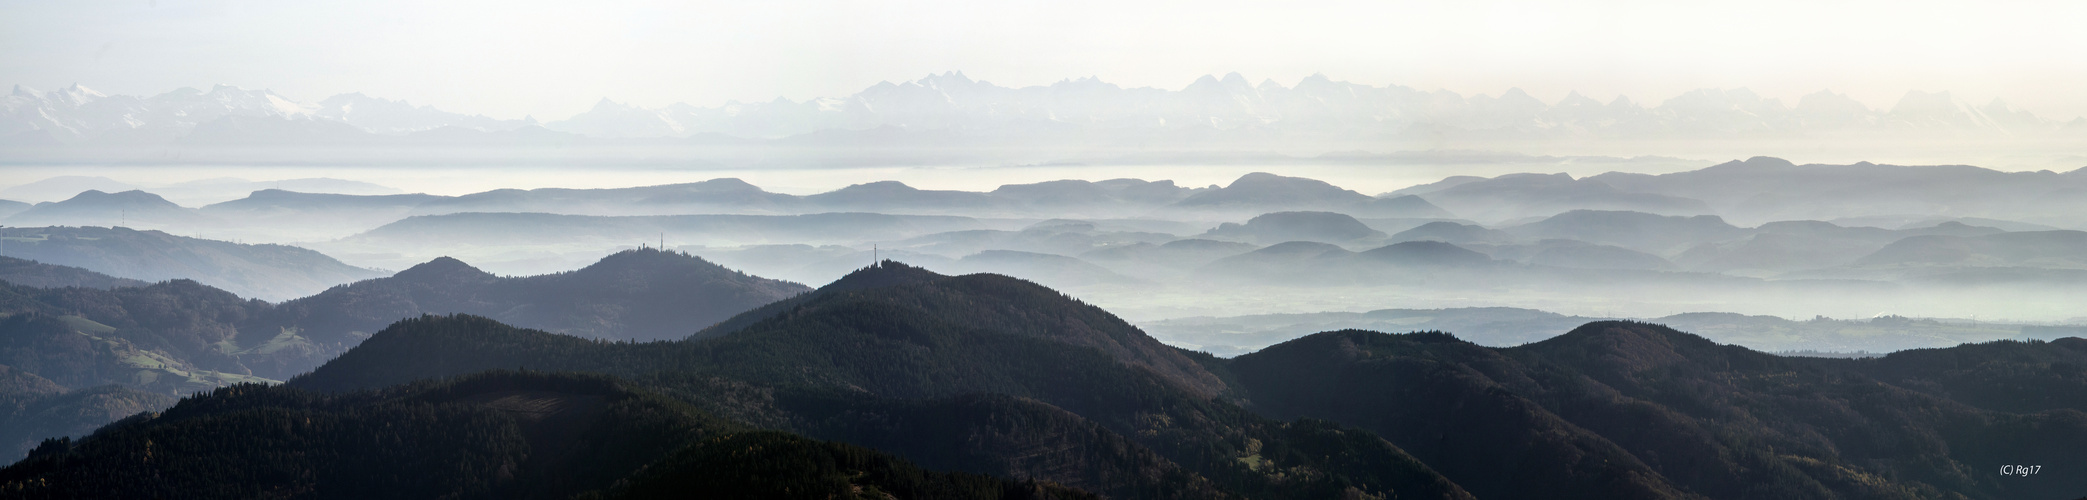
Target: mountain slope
{"points": [[1654, 234], [1261, 192], [1771, 189], [96, 208], [1515, 196], [1278, 227], [896, 333], [32, 273], [998, 303], [179, 337], [2047, 249], [521, 229], [1663, 413], [503, 435], [174, 337], [644, 294], [267, 272], [33, 409]]}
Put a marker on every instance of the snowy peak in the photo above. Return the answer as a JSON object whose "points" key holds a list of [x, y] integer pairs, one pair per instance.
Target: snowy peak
{"points": [[1937, 110], [77, 95], [77, 113], [954, 103]]}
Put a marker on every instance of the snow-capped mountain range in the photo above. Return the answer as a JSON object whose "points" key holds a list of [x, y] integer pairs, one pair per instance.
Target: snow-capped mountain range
{"points": [[1316, 107], [78, 113]]}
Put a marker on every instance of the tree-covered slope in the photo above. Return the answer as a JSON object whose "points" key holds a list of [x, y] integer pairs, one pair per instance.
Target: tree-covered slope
{"points": [[33, 408], [774, 465], [893, 344], [172, 337], [1619, 409], [497, 435], [185, 333], [37, 274], [180, 336], [986, 301]]}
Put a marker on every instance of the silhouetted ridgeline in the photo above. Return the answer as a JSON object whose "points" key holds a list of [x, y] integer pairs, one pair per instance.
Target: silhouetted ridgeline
{"points": [[998, 377], [178, 337], [1610, 410], [499, 435], [269, 272], [861, 350], [645, 294], [184, 326], [1630, 403], [32, 273]]}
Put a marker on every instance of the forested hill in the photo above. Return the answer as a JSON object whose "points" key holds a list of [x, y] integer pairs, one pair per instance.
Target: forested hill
{"points": [[984, 301], [170, 337], [178, 337], [37, 274], [33, 408], [267, 272], [645, 294], [1610, 410], [1622, 402], [190, 332], [498, 435], [849, 367], [989, 375]]}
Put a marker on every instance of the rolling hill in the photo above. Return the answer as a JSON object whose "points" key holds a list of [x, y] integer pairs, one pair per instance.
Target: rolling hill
{"points": [[1674, 415], [1649, 233], [985, 374], [1516, 196], [96, 208], [860, 352], [1261, 192], [179, 337], [636, 295], [32, 273], [501, 435], [1278, 227], [267, 272]]}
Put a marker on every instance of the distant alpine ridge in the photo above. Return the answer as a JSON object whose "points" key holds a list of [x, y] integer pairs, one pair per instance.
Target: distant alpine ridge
{"points": [[1316, 107]]}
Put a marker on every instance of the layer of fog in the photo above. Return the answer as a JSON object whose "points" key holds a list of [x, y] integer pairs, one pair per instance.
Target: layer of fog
{"points": [[788, 179], [1142, 292]]}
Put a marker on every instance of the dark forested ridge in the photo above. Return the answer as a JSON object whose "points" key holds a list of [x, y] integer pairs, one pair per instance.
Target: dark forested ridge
{"points": [[497, 435], [191, 335], [33, 408], [1011, 390], [1611, 410], [32, 273], [177, 337], [1671, 414], [887, 357], [991, 302], [171, 337]]}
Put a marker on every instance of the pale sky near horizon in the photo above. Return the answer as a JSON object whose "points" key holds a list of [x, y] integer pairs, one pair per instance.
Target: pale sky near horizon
{"points": [[507, 59]]}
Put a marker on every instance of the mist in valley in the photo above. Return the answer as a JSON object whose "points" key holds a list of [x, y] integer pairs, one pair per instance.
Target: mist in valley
{"points": [[1651, 239], [1063, 250]]}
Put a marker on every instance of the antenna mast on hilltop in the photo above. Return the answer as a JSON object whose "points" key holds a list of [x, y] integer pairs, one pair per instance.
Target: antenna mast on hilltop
{"points": [[873, 256]]}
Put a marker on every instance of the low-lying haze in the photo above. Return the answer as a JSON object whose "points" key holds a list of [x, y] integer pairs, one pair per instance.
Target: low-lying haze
{"points": [[550, 60]]}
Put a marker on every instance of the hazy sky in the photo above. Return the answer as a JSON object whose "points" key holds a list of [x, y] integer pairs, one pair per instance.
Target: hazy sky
{"points": [[553, 59]]}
